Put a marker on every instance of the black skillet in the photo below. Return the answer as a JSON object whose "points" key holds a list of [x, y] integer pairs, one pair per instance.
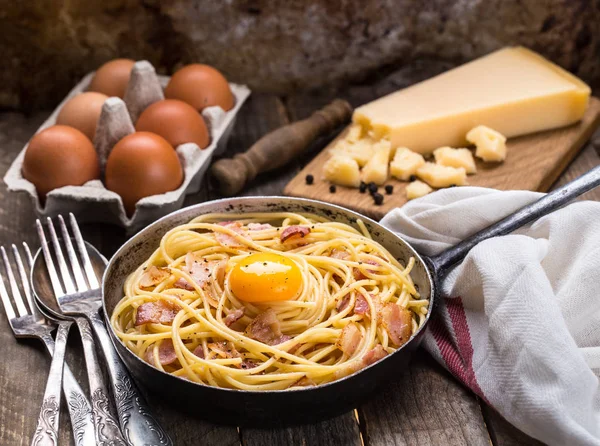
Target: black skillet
{"points": [[266, 408]]}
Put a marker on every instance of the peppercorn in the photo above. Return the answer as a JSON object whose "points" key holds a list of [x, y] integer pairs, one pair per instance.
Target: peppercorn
{"points": [[378, 198], [309, 179], [332, 189], [372, 188], [389, 189], [412, 178], [363, 187]]}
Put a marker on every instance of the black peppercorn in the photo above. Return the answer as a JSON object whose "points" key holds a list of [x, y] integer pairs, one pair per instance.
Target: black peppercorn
{"points": [[412, 178], [309, 179], [389, 189], [378, 198], [363, 187], [332, 188], [372, 188]]}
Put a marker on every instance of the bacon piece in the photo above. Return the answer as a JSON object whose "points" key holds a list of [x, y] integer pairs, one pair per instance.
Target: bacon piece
{"points": [[159, 312], [183, 284], [294, 232], [349, 339], [374, 355], [234, 316], [248, 364], [153, 276], [199, 351], [224, 349], [265, 328], [397, 321], [339, 254], [359, 275], [202, 270], [259, 226], [229, 241], [361, 305], [342, 303], [166, 353]]}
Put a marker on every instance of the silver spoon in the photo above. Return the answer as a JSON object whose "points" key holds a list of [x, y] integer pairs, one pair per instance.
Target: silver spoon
{"points": [[137, 425]]}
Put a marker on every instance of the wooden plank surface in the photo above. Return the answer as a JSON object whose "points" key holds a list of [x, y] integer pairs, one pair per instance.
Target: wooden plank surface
{"points": [[424, 404], [534, 162]]}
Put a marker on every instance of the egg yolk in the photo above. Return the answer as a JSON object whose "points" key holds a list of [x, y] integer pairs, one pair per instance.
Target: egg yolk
{"points": [[263, 277]]}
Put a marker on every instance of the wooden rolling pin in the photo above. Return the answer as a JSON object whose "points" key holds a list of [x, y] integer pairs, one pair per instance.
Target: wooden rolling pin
{"points": [[278, 147]]}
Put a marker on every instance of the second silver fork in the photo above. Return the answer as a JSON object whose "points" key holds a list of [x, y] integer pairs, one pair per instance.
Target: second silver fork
{"points": [[31, 323], [106, 425]]}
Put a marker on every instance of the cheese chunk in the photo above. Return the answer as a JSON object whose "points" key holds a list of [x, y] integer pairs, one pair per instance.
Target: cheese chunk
{"points": [[360, 150], [342, 170], [417, 189], [442, 176], [355, 133], [447, 156], [490, 145], [513, 90], [376, 170], [405, 163]]}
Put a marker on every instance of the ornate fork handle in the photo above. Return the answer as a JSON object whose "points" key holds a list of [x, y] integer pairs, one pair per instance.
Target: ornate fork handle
{"points": [[46, 431], [79, 407], [106, 426], [137, 423]]}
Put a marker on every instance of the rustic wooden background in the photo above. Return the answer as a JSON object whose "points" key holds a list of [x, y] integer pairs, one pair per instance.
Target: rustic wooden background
{"points": [[423, 405]]}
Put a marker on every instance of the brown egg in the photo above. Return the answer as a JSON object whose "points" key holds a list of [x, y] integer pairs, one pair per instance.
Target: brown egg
{"points": [[175, 121], [140, 165], [112, 78], [59, 156], [82, 112], [200, 86]]}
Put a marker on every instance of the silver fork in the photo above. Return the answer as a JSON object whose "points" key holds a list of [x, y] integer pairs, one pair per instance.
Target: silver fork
{"points": [[83, 298], [29, 322], [105, 423]]}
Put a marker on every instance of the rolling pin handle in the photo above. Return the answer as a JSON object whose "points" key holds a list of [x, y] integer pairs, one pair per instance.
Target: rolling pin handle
{"points": [[278, 147]]}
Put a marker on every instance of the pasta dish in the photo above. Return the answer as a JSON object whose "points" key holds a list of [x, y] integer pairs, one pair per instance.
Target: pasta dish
{"points": [[268, 301]]}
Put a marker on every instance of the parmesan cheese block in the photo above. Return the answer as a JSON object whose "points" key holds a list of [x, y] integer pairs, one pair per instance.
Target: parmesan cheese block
{"points": [[442, 176], [342, 170], [417, 189], [490, 145], [405, 163], [513, 90], [376, 170], [447, 156]]}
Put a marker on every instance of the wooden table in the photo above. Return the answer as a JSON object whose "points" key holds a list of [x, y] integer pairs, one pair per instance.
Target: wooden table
{"points": [[423, 405]]}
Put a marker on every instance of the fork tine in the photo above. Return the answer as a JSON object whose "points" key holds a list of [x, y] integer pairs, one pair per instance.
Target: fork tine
{"points": [[8, 308], [75, 267], [62, 265], [56, 285], [29, 256], [14, 287], [24, 279], [87, 264]]}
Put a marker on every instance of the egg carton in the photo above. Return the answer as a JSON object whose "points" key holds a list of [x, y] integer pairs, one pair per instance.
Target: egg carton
{"points": [[92, 202]]}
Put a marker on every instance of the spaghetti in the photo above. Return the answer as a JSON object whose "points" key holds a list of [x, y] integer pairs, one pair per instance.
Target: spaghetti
{"points": [[322, 300]]}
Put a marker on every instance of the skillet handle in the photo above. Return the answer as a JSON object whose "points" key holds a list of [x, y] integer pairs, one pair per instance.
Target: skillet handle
{"points": [[442, 263]]}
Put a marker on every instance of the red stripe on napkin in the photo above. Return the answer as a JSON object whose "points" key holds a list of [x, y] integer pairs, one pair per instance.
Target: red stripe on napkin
{"points": [[463, 338]]}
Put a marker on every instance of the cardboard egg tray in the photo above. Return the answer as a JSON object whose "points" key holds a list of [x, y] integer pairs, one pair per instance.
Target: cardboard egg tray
{"points": [[92, 202]]}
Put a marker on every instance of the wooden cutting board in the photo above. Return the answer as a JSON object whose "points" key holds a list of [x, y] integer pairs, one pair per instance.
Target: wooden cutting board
{"points": [[533, 163]]}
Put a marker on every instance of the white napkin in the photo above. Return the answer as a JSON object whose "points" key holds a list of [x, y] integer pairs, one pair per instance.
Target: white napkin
{"points": [[519, 322]]}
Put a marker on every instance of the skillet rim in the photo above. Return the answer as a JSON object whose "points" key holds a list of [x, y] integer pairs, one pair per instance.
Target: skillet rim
{"points": [[307, 201]]}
